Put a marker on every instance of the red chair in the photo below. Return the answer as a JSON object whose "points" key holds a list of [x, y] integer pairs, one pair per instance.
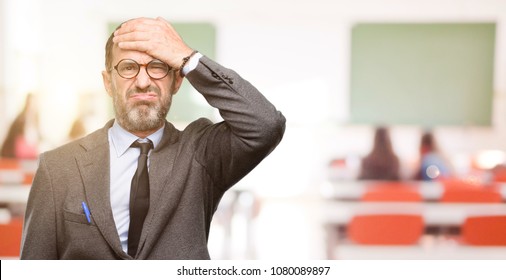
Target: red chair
{"points": [[9, 163], [386, 229], [28, 179], [462, 191], [499, 173], [10, 238], [391, 192], [471, 195], [485, 231]]}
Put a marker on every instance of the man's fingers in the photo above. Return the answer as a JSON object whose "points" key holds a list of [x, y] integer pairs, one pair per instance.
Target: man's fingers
{"points": [[140, 24], [132, 36], [129, 29], [164, 23], [141, 46]]}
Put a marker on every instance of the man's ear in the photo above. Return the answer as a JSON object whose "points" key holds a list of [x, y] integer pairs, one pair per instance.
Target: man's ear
{"points": [[178, 80], [106, 78]]}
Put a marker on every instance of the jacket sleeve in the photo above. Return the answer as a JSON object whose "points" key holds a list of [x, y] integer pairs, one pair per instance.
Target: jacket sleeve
{"points": [[251, 129], [39, 231]]}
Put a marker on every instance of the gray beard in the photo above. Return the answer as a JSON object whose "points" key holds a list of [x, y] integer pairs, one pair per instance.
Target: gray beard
{"points": [[142, 115]]}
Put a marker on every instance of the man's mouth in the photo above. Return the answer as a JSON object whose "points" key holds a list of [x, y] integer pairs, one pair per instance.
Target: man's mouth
{"points": [[144, 96]]}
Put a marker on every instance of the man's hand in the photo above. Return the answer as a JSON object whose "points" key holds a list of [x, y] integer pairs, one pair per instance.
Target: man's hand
{"points": [[155, 37]]}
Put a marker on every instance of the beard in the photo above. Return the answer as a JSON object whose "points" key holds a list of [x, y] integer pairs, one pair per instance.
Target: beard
{"points": [[142, 115]]}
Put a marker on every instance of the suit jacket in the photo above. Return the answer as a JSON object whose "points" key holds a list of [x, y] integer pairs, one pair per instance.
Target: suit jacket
{"points": [[189, 172]]}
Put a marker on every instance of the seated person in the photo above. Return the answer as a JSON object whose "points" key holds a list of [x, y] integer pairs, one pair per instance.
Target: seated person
{"points": [[432, 163], [381, 163]]}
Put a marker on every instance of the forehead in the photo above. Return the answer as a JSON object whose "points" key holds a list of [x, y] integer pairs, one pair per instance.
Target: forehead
{"points": [[119, 54]]}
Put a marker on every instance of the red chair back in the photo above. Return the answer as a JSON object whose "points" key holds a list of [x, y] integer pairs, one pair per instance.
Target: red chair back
{"points": [[391, 192], [485, 231], [9, 163], [471, 195], [10, 238], [386, 229]]}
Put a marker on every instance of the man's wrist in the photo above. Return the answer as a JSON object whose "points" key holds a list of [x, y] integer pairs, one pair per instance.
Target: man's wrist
{"points": [[191, 64]]}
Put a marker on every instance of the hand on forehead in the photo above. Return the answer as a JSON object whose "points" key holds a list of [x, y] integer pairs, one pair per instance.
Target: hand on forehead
{"points": [[156, 37]]}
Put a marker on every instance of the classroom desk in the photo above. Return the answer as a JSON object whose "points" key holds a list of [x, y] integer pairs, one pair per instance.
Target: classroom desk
{"points": [[426, 250], [355, 189], [439, 218], [434, 214], [14, 193], [5, 216], [17, 172], [11, 176]]}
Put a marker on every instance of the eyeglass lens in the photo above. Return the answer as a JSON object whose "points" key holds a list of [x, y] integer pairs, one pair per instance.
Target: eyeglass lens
{"points": [[128, 68]]}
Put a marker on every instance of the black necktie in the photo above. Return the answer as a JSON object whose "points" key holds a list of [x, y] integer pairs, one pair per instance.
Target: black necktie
{"points": [[139, 197]]}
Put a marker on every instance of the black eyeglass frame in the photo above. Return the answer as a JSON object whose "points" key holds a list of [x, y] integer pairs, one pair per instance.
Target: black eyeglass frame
{"points": [[146, 66]]}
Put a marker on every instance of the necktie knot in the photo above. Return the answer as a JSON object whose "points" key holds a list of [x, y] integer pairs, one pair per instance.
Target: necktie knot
{"points": [[144, 146]]}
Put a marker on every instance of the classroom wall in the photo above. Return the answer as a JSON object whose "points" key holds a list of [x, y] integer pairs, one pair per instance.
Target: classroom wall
{"points": [[296, 52]]}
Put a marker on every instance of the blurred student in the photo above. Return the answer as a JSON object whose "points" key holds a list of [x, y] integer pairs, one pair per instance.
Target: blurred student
{"points": [[433, 164], [77, 130], [381, 163], [23, 136]]}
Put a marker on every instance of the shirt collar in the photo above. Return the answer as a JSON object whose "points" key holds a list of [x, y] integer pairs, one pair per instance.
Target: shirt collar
{"points": [[122, 139]]}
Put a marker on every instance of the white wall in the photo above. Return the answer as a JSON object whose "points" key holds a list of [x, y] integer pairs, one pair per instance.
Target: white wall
{"points": [[296, 52]]}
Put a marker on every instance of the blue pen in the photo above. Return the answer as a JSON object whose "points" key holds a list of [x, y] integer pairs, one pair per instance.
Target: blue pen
{"points": [[86, 212]]}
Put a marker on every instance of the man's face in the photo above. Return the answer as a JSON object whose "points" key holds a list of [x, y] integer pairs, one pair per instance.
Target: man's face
{"points": [[141, 103]]}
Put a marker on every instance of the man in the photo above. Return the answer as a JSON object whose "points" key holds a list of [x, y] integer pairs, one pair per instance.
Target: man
{"points": [[92, 199]]}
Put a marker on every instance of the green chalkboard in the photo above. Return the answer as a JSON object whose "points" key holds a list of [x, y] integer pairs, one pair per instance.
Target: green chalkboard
{"points": [[187, 105], [427, 74]]}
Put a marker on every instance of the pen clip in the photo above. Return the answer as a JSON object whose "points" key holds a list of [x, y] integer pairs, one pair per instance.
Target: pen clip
{"points": [[86, 211]]}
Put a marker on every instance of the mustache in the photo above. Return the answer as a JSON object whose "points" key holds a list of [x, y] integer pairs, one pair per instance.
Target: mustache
{"points": [[145, 90]]}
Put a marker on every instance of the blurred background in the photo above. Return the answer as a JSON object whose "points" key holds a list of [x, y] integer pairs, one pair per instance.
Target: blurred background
{"points": [[396, 118]]}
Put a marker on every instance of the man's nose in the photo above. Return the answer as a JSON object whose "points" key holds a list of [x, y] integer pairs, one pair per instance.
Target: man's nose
{"points": [[142, 80]]}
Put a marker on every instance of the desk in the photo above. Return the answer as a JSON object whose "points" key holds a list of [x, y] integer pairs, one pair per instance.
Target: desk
{"points": [[434, 214], [438, 217], [423, 251], [17, 171], [14, 176], [355, 189], [5, 216], [12, 193]]}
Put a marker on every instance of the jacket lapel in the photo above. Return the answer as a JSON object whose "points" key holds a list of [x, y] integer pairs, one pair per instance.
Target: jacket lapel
{"points": [[161, 160], [95, 172]]}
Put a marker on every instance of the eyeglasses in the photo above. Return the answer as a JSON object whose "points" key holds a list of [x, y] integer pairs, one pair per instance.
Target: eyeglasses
{"points": [[129, 68]]}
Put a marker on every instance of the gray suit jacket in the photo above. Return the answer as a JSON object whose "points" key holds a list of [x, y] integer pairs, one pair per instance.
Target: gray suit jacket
{"points": [[189, 172]]}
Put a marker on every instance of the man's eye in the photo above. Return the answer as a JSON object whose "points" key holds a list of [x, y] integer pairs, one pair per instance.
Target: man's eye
{"points": [[158, 66], [128, 67]]}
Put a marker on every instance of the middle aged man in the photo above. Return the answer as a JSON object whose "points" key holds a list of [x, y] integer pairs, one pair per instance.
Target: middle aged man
{"points": [[139, 188]]}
